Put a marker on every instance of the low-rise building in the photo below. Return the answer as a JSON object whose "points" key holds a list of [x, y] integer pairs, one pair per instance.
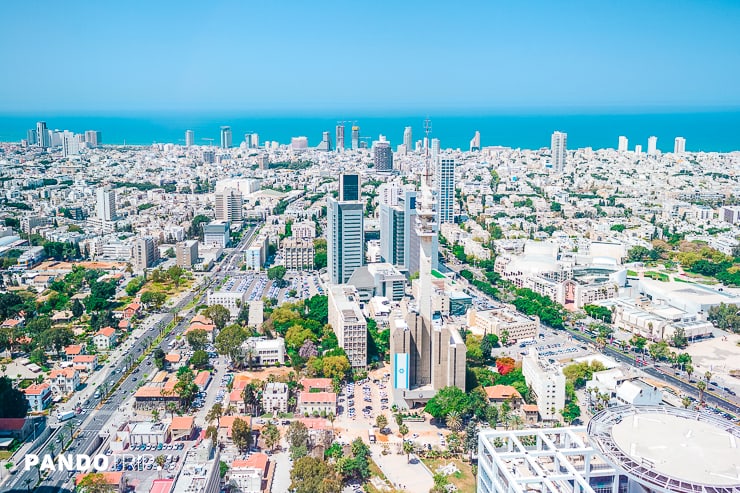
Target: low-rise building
{"points": [[64, 381], [85, 362], [498, 394], [186, 253], [498, 321], [298, 254], [250, 475], [317, 403], [231, 300], [264, 351], [39, 396], [105, 339], [182, 427], [148, 432], [275, 397]]}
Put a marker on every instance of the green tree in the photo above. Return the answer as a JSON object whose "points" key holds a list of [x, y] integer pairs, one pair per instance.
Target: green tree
{"points": [[223, 468], [158, 356], [77, 309], [297, 437], [215, 413], [453, 421], [185, 388], [470, 443], [198, 339], [336, 366], [218, 314], [446, 400], [229, 341], [271, 433], [276, 273], [580, 373], [381, 421], [13, 403], [199, 359], [241, 435], [175, 273], [310, 475], [679, 338], [94, 483]]}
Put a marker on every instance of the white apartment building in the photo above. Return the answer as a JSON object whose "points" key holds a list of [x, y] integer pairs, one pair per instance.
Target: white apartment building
{"points": [[105, 207], [350, 326], [187, 253], [298, 254], [304, 230], [229, 204], [548, 384]]}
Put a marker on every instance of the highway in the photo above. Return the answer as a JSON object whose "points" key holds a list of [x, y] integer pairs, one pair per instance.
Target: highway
{"points": [[87, 427]]}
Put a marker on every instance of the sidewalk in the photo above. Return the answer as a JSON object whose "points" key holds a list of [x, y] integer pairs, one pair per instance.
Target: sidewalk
{"points": [[403, 475]]}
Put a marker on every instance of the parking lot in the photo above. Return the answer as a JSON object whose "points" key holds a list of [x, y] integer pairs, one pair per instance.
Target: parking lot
{"points": [[258, 286]]}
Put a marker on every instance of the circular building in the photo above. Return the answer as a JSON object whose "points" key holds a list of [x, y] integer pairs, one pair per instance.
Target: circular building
{"points": [[667, 449]]}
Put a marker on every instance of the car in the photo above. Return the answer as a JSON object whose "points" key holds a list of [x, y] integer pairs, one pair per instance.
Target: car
{"points": [[134, 379]]}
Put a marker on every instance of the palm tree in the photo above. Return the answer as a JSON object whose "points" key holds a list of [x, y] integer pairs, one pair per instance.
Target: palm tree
{"points": [[215, 413], [686, 402], [331, 419], [230, 409], [702, 386], [708, 376], [407, 449], [160, 461], [212, 433], [171, 408], [403, 430], [516, 421], [155, 415], [70, 426], [27, 482], [453, 421], [689, 370]]}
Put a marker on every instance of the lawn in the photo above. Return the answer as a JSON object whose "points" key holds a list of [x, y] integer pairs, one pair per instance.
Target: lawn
{"points": [[463, 480], [658, 276], [631, 273]]}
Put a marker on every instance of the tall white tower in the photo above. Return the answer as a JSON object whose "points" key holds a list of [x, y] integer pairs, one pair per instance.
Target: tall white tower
{"points": [[623, 144], [189, 138], [679, 146], [559, 148], [652, 148], [106, 204], [445, 180], [407, 138]]}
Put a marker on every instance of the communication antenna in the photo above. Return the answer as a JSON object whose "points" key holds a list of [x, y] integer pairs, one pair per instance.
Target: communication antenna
{"points": [[428, 167]]}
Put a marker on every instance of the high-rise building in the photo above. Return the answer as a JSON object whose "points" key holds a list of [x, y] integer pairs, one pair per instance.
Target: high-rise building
{"points": [[209, 156], [42, 135], [325, 144], [652, 148], [186, 253], [31, 137], [392, 234], [445, 184], [225, 137], [93, 138], [559, 149], [255, 143], [299, 143], [349, 187], [355, 137], [435, 150], [216, 234], [407, 138], [345, 234], [145, 253], [70, 144], [349, 323], [623, 144], [229, 203], [679, 146], [475, 142], [106, 204], [189, 138], [383, 156], [638, 149], [340, 137]]}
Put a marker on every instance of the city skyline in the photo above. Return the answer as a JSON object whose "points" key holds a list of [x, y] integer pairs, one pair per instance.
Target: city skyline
{"points": [[539, 56]]}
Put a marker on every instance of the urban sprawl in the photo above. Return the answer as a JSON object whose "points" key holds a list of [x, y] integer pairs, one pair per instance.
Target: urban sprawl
{"points": [[355, 316]]}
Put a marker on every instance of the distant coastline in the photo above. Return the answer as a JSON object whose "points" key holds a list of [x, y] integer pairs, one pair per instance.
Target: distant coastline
{"points": [[704, 131]]}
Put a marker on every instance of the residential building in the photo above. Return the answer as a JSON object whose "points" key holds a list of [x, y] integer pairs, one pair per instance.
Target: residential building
{"points": [[186, 253], [275, 397], [85, 362], [355, 137], [146, 432], [547, 383], [475, 142], [229, 204], [39, 396], [298, 254], [498, 394], [106, 204], [408, 138], [559, 150], [64, 381], [350, 326], [226, 137], [340, 137], [216, 234], [249, 475], [679, 146], [325, 144], [189, 138], [392, 234], [42, 135], [383, 156], [145, 253], [31, 257], [623, 144], [200, 470], [105, 339], [652, 146], [445, 183]]}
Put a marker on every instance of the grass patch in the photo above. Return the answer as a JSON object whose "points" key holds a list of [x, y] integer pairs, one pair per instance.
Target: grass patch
{"points": [[375, 472], [631, 273], [658, 276], [463, 480]]}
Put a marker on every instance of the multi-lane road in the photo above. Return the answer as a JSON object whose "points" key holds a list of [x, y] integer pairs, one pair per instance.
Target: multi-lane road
{"points": [[87, 427]]}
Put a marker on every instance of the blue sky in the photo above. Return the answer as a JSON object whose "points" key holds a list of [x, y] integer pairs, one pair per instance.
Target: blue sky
{"points": [[380, 56]]}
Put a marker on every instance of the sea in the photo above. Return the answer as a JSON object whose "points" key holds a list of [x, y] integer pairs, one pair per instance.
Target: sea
{"points": [[704, 131]]}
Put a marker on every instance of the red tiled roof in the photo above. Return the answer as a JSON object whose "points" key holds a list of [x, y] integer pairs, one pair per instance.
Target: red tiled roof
{"points": [[12, 423], [322, 397], [258, 461], [37, 389], [107, 331], [316, 383], [73, 349], [182, 423]]}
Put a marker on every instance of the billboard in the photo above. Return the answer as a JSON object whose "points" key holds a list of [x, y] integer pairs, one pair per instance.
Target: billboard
{"points": [[401, 371]]}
